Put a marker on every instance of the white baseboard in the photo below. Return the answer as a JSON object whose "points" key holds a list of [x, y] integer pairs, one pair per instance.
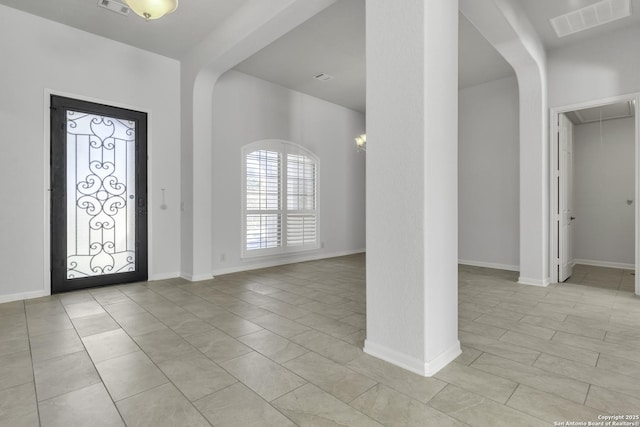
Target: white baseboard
{"points": [[489, 265], [608, 264], [164, 276], [196, 278], [23, 295], [412, 364], [281, 261], [533, 282]]}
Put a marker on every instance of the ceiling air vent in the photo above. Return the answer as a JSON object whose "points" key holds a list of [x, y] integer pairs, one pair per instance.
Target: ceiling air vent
{"points": [[323, 77], [114, 6], [591, 16]]}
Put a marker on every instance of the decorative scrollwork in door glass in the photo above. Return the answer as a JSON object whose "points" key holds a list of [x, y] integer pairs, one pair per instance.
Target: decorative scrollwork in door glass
{"points": [[100, 199]]}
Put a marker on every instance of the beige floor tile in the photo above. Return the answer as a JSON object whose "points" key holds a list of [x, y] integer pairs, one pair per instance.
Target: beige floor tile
{"points": [[328, 310], [523, 328], [281, 326], [391, 408], [619, 365], [109, 344], [140, 324], [413, 385], [263, 376], [554, 348], [96, 324], [44, 324], [64, 374], [612, 403], [55, 344], [106, 296], [283, 309], [273, 346], [476, 328], [329, 326], [162, 406], [123, 309], [499, 348], [309, 406], [18, 407], [476, 410], [87, 406], [82, 309], [237, 406], [164, 345], [186, 324], [477, 381], [76, 297], [13, 326], [14, 345], [590, 374], [218, 346], [333, 378], [15, 369], [550, 408], [468, 355], [618, 350], [195, 375], [572, 328], [539, 379], [328, 346], [127, 375], [233, 325]]}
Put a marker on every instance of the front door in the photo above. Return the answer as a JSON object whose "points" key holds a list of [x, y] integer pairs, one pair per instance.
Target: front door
{"points": [[98, 195]]}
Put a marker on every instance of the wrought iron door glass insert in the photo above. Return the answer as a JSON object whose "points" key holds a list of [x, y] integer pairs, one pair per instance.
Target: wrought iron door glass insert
{"points": [[100, 195]]}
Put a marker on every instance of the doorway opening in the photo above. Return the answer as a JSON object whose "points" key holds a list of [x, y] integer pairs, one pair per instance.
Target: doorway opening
{"points": [[98, 195], [595, 187]]}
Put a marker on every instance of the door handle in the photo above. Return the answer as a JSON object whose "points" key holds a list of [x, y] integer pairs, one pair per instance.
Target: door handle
{"points": [[572, 218]]}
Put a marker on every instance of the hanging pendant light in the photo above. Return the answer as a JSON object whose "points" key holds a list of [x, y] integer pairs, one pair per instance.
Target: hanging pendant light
{"points": [[152, 9]]}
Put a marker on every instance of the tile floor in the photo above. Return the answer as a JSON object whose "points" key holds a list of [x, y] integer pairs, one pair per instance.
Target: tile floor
{"points": [[282, 347]]}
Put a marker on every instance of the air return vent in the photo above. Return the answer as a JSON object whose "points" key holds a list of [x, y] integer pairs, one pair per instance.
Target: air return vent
{"points": [[591, 16], [114, 6]]}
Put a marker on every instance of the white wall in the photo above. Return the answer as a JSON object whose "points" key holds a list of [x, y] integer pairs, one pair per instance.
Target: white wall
{"points": [[603, 182], [38, 55], [596, 69], [247, 109], [488, 175]]}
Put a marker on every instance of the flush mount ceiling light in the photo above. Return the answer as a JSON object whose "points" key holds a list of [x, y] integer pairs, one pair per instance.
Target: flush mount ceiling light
{"points": [[361, 142], [152, 9], [591, 16]]}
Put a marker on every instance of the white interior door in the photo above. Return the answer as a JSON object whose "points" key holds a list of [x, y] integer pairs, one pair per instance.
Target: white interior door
{"points": [[565, 192]]}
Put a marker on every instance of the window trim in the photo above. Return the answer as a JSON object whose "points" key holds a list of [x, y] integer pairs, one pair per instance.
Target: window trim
{"points": [[284, 148]]}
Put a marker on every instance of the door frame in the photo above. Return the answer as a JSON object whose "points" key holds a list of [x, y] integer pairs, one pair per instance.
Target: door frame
{"points": [[553, 190], [47, 177]]}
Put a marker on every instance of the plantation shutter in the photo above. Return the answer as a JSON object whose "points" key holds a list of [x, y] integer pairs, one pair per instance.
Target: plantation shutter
{"points": [[280, 198], [301, 200], [263, 203]]}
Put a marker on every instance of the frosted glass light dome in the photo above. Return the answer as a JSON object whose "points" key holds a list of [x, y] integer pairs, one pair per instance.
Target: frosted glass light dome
{"points": [[152, 9]]}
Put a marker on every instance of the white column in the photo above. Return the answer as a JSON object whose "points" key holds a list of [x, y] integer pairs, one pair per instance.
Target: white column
{"points": [[412, 183]]}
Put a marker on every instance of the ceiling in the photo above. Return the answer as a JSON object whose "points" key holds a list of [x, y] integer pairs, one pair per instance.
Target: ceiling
{"points": [[618, 110], [540, 11], [332, 42], [171, 36]]}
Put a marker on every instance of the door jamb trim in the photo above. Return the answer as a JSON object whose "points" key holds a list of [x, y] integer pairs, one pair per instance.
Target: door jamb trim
{"points": [[554, 112]]}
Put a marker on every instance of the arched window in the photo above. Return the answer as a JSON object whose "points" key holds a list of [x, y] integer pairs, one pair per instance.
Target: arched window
{"points": [[280, 198]]}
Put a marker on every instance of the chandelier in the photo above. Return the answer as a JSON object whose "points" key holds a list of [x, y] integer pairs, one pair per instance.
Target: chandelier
{"points": [[152, 9]]}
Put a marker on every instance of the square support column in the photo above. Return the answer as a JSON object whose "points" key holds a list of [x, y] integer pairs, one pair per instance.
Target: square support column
{"points": [[412, 183]]}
